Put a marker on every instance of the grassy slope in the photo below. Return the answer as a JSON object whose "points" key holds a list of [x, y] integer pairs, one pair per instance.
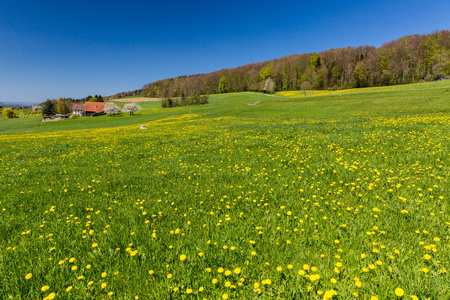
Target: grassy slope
{"points": [[407, 99], [307, 173]]}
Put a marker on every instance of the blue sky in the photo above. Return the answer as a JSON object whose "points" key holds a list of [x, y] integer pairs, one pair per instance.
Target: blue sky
{"points": [[51, 49]]}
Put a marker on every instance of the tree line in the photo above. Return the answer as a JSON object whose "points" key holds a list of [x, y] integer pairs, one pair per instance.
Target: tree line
{"points": [[410, 59], [193, 99]]}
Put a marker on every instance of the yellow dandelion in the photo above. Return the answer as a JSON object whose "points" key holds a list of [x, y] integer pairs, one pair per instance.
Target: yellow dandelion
{"points": [[51, 296], [28, 276], [45, 288], [399, 292]]}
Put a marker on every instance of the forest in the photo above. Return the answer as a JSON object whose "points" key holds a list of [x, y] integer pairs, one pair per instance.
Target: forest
{"points": [[409, 59]]}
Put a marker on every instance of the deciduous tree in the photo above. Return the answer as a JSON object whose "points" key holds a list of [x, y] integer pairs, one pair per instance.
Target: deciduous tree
{"points": [[63, 106], [131, 108], [306, 85], [48, 108], [111, 108], [223, 85], [266, 72]]}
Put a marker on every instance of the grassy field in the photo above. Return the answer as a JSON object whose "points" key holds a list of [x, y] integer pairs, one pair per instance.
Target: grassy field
{"points": [[336, 196]]}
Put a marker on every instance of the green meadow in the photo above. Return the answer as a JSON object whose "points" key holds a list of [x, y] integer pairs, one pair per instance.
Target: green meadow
{"points": [[332, 195]]}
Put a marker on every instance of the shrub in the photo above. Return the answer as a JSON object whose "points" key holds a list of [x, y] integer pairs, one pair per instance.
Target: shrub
{"points": [[193, 99], [9, 112]]}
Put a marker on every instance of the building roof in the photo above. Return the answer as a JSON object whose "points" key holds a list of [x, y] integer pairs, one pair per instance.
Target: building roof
{"points": [[77, 106], [96, 107]]}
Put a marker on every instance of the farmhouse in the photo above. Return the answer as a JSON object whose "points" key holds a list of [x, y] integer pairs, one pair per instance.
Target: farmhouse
{"points": [[88, 108], [91, 108], [78, 109]]}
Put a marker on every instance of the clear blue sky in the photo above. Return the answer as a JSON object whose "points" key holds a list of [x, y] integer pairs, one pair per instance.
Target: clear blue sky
{"points": [[52, 49]]}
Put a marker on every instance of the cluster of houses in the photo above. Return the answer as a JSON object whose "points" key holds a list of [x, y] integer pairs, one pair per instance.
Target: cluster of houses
{"points": [[88, 108]]}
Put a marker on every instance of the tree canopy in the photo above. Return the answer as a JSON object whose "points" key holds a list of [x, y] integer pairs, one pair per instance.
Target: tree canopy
{"points": [[48, 108], [223, 84], [111, 108], [63, 106], [409, 59], [131, 108]]}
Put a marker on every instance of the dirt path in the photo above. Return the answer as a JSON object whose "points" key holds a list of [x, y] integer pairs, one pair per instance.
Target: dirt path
{"points": [[138, 99]]}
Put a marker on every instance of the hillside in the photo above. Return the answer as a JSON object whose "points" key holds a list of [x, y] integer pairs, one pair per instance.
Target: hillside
{"points": [[409, 59], [404, 99], [325, 196]]}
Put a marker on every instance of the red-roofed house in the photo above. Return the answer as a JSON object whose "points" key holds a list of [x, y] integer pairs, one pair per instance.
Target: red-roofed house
{"points": [[93, 107], [78, 109]]}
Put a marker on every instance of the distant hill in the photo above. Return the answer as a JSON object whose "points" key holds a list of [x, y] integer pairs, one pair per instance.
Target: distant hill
{"points": [[410, 59], [7, 104]]}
